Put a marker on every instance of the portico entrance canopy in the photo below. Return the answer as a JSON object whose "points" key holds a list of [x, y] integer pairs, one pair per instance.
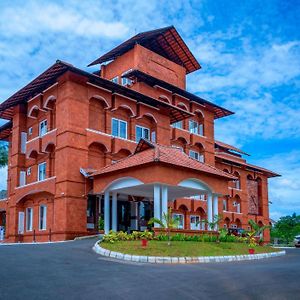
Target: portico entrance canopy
{"points": [[159, 173]]}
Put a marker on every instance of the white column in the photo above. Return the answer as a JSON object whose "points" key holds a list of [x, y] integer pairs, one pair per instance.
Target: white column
{"points": [[106, 212], [164, 200], [114, 212], [209, 209], [215, 208], [156, 199]]}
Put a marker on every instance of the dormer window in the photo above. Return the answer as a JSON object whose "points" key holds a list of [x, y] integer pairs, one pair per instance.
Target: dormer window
{"points": [[142, 132], [115, 79], [125, 80]]}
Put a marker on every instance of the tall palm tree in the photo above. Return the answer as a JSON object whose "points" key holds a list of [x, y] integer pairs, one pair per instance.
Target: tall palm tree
{"points": [[167, 223]]}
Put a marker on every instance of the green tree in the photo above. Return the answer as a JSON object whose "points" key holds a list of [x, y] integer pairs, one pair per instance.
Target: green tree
{"points": [[286, 228], [167, 223], [3, 155]]}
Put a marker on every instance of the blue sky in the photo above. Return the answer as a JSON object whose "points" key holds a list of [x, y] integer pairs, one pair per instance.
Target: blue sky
{"points": [[249, 52]]}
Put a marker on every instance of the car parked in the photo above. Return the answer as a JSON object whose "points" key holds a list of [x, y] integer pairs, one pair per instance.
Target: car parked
{"points": [[297, 241], [237, 231]]}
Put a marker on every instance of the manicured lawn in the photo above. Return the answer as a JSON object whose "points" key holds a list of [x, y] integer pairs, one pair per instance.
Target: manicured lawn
{"points": [[160, 248]]}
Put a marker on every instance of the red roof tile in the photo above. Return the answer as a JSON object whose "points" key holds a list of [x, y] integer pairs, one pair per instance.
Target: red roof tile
{"points": [[155, 153]]}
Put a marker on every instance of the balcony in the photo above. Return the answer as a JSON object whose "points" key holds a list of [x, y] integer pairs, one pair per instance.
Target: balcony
{"points": [[119, 144], [95, 136], [33, 145], [44, 186], [178, 133], [48, 139], [196, 138]]}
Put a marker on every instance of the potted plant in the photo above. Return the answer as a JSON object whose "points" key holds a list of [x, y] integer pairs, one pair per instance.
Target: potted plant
{"points": [[251, 241], [145, 236]]}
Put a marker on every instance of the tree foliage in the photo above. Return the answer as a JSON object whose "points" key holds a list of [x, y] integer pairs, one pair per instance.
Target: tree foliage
{"points": [[287, 228], [168, 222], [3, 155]]}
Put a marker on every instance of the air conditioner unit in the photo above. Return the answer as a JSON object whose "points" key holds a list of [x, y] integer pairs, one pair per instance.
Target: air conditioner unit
{"points": [[234, 204]]}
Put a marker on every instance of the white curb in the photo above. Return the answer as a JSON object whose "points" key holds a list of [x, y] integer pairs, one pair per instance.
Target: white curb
{"points": [[182, 260]]}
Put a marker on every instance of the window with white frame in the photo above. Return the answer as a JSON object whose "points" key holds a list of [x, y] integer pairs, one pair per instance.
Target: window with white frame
{"points": [[195, 222], [22, 180], [43, 217], [225, 208], [126, 80], [201, 129], [194, 154], [141, 132], [177, 125], [238, 207], [153, 136], [30, 131], [23, 142], [237, 184], [43, 128], [115, 79], [119, 128], [180, 218], [29, 218], [29, 171], [193, 126], [42, 171]]}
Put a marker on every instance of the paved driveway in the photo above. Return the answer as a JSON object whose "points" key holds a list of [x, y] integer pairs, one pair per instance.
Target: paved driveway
{"points": [[73, 271]]}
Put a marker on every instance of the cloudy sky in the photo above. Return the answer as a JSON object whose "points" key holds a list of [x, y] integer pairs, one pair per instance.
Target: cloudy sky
{"points": [[249, 52]]}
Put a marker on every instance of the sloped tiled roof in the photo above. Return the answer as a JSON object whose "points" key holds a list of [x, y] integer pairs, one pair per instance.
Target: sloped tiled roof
{"points": [[238, 161], [229, 147], [147, 152], [165, 41]]}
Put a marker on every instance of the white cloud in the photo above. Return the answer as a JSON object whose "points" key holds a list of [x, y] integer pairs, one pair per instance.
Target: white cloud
{"points": [[32, 18], [283, 191]]}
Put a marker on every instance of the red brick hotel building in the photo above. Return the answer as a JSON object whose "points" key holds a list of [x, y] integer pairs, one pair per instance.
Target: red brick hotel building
{"points": [[124, 143]]}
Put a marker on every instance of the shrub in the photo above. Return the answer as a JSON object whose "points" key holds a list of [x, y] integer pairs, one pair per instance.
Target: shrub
{"points": [[113, 236]]}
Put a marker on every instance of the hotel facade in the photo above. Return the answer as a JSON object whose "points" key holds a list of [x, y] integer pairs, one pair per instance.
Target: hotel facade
{"points": [[124, 143]]}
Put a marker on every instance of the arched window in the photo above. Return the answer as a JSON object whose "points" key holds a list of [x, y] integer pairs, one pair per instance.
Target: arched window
{"points": [[196, 125], [237, 182]]}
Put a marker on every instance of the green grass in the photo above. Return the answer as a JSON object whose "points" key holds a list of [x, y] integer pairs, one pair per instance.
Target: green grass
{"points": [[161, 248]]}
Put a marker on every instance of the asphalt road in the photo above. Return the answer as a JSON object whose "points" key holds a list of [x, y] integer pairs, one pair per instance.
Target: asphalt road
{"points": [[73, 271]]}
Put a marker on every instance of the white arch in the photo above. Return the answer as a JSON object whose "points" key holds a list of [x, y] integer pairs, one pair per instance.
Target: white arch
{"points": [[123, 182], [50, 98], [164, 97], [199, 112], [182, 104], [150, 116], [31, 110], [127, 107], [196, 184], [98, 97]]}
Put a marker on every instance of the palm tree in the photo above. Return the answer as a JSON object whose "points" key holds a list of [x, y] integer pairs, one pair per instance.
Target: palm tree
{"points": [[256, 229], [214, 223], [167, 223]]}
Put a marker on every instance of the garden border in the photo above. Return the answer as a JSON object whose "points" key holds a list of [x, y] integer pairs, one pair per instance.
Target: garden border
{"points": [[182, 260]]}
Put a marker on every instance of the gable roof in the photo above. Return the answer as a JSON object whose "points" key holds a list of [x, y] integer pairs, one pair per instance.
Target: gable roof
{"points": [[147, 152], [164, 41], [51, 75]]}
